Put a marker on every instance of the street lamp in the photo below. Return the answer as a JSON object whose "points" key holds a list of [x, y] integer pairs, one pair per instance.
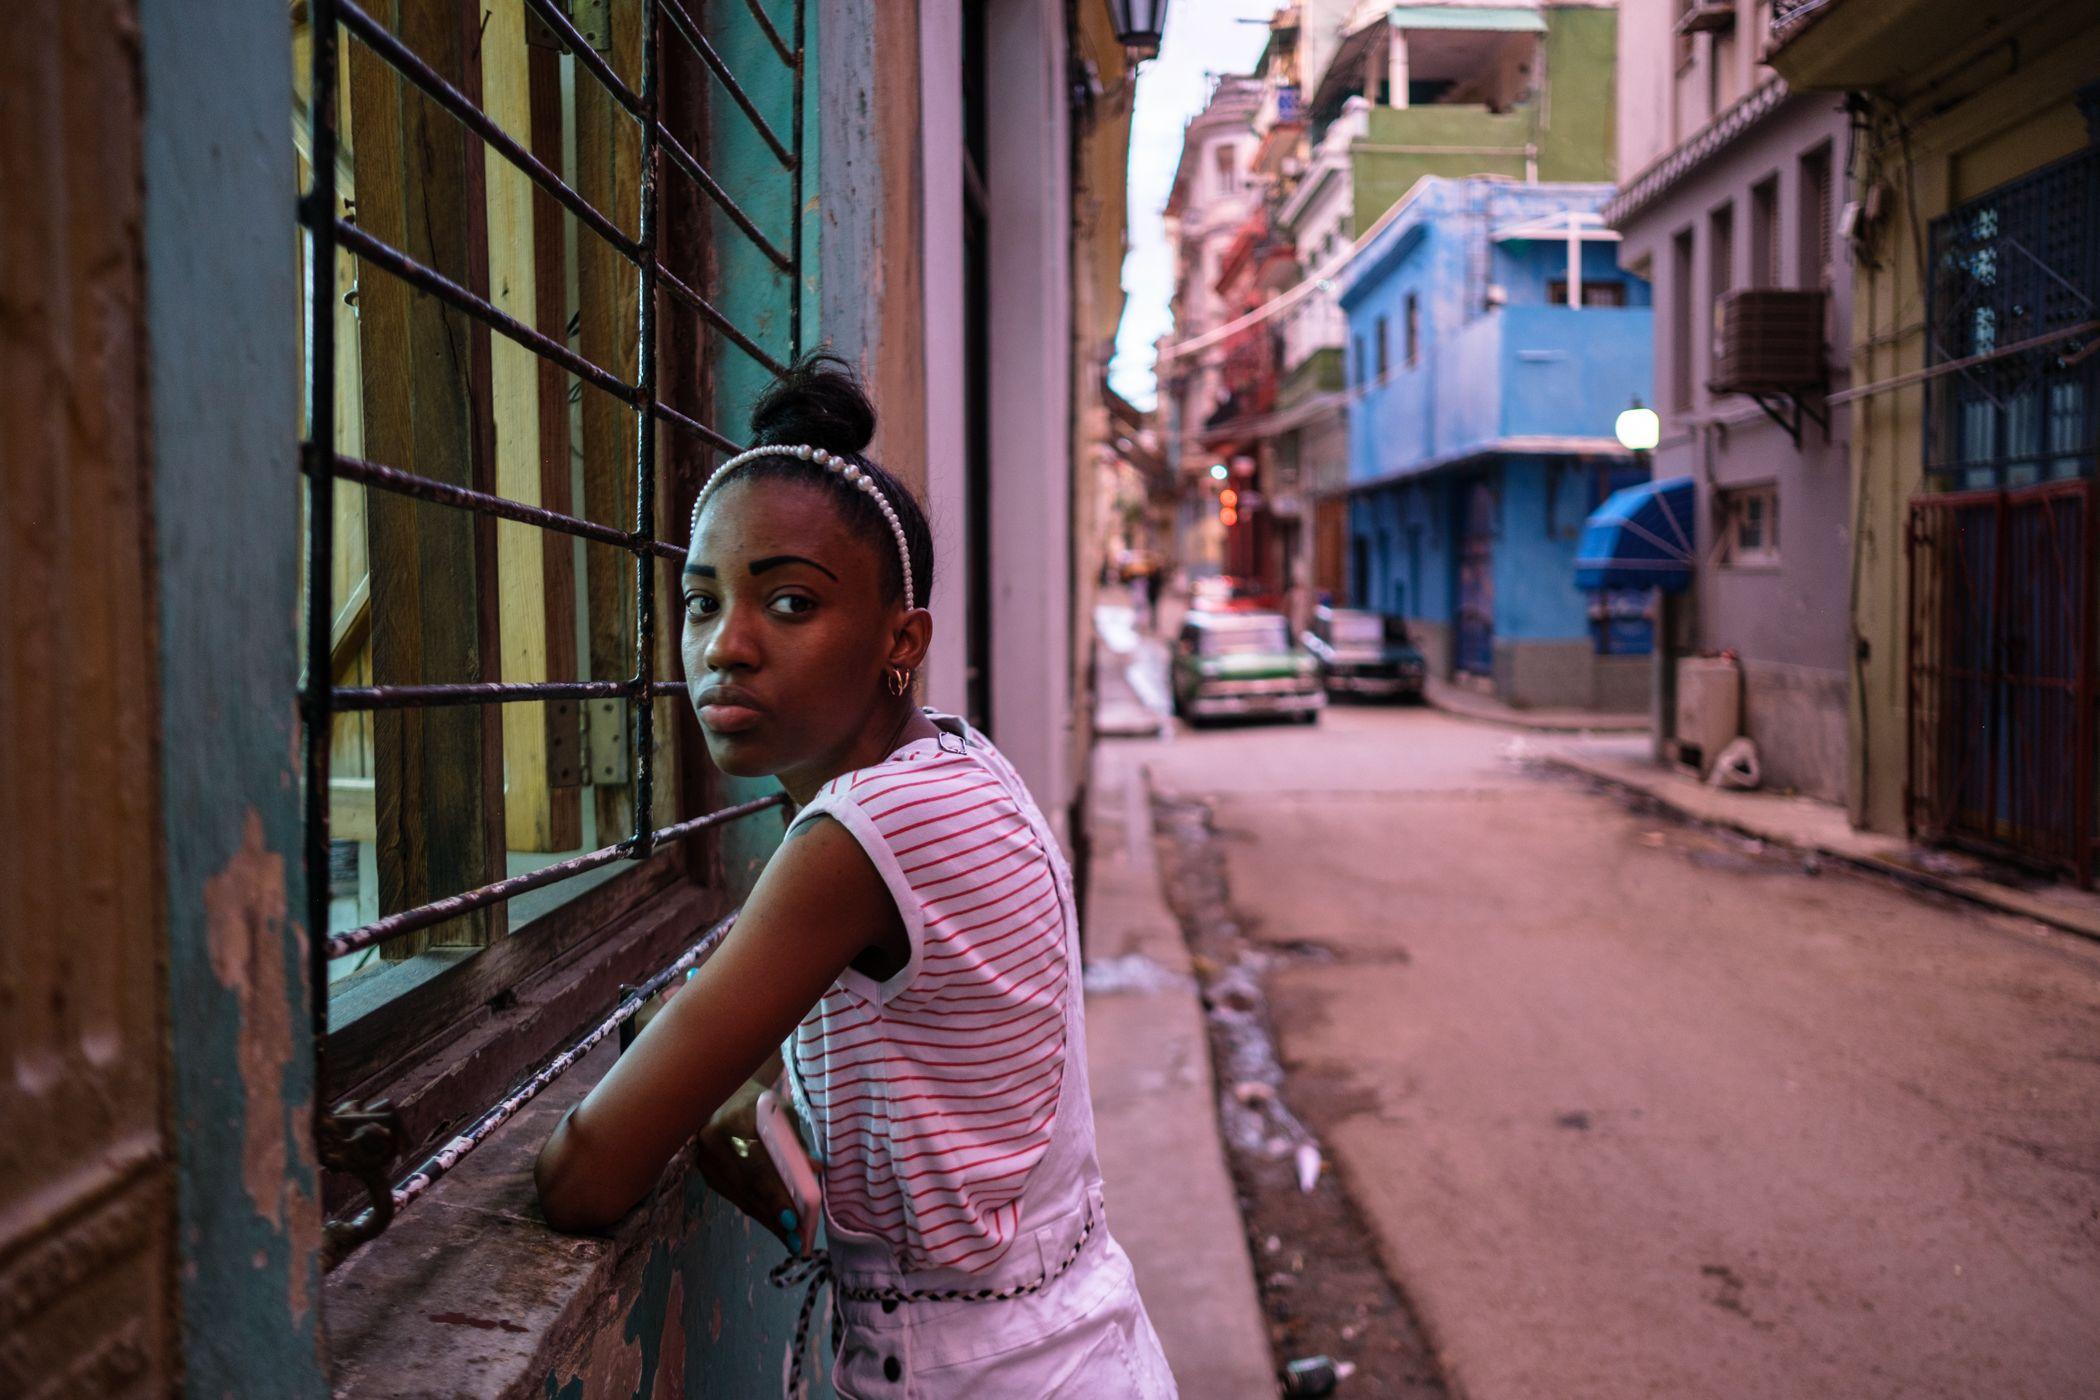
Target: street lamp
{"points": [[1139, 25], [1638, 428]]}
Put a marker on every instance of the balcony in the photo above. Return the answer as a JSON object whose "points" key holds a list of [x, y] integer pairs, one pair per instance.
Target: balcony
{"points": [[1521, 379], [1402, 144], [1871, 45]]}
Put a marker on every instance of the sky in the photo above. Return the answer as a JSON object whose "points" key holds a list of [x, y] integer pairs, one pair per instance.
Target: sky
{"points": [[1202, 37]]}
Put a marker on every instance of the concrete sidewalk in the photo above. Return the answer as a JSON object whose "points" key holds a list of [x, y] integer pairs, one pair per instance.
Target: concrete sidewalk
{"points": [[1804, 824], [1170, 1199], [1129, 700]]}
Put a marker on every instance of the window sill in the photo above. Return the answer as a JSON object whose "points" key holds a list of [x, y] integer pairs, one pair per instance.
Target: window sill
{"points": [[470, 1290]]}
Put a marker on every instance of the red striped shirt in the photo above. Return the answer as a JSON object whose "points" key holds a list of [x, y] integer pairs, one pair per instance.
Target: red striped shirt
{"points": [[934, 1094]]}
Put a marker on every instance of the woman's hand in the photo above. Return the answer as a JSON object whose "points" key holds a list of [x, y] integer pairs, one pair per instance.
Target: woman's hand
{"points": [[734, 1162], [818, 905]]}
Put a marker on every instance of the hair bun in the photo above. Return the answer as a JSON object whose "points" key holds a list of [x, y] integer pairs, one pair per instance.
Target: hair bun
{"points": [[818, 401]]}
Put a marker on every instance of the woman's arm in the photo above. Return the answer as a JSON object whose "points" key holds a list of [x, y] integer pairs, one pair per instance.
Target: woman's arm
{"points": [[819, 903]]}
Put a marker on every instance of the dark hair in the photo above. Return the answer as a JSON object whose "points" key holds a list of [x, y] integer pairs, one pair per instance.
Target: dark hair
{"points": [[819, 402]]}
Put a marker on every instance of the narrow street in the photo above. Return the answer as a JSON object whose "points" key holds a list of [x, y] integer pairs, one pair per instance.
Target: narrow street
{"points": [[1636, 1109]]}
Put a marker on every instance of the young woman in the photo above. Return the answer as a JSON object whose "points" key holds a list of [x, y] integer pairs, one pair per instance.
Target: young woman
{"points": [[909, 955]]}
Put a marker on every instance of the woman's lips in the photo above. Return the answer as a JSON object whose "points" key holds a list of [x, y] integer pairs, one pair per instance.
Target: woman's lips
{"points": [[722, 718]]}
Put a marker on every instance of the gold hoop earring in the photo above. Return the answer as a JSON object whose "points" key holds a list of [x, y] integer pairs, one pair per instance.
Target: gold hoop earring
{"points": [[896, 680]]}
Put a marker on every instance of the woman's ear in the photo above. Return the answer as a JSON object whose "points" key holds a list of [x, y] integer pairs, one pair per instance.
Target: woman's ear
{"points": [[912, 640]]}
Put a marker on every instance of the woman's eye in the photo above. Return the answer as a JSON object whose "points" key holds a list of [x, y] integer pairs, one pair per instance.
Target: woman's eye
{"points": [[698, 605], [792, 604]]}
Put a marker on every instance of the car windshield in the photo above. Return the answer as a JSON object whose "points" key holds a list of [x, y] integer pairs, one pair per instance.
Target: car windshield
{"points": [[1359, 629], [1251, 634]]}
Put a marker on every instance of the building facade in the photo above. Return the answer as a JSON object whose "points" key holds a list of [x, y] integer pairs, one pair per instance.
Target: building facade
{"points": [[1969, 199], [504, 360], [1492, 339], [1215, 194], [1520, 91], [1731, 181]]}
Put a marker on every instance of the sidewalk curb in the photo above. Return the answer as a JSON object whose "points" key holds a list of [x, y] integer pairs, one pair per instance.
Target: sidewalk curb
{"points": [[1981, 893], [1171, 1196], [1438, 695]]}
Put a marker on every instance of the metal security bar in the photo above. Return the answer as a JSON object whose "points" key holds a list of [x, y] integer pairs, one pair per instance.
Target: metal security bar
{"points": [[359, 1138], [2011, 304], [2003, 682]]}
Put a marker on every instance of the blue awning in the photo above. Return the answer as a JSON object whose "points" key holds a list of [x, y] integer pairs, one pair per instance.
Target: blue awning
{"points": [[1641, 537]]}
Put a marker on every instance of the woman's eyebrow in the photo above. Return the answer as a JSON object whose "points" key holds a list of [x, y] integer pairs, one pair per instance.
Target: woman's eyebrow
{"points": [[774, 561], [701, 570]]}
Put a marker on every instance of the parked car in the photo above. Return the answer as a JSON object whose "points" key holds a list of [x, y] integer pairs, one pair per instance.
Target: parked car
{"points": [[1364, 653], [1232, 593], [1243, 663]]}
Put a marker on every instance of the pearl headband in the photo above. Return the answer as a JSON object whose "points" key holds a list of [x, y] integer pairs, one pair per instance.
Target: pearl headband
{"points": [[838, 466]]}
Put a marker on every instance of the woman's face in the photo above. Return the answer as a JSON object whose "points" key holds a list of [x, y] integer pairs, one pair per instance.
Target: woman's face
{"points": [[787, 631]]}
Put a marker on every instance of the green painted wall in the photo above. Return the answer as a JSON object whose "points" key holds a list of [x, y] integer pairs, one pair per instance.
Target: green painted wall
{"points": [[1577, 122], [221, 308], [1570, 123], [1318, 373]]}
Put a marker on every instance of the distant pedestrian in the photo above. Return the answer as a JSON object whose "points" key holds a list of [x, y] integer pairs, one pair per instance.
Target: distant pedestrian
{"points": [[910, 954]]}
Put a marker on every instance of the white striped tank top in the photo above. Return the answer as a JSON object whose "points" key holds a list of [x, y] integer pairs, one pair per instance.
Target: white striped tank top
{"points": [[931, 1096]]}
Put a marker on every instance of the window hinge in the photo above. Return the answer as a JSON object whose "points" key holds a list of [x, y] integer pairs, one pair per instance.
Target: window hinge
{"points": [[565, 745], [593, 20], [605, 743]]}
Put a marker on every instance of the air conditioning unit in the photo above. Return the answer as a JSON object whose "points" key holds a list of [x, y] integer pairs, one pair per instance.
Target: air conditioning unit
{"points": [[1770, 341], [1709, 709]]}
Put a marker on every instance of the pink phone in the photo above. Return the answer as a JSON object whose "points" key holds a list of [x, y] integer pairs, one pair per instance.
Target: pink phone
{"points": [[776, 1129]]}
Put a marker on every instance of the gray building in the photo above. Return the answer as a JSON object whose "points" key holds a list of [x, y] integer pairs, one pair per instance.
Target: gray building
{"points": [[1733, 182]]}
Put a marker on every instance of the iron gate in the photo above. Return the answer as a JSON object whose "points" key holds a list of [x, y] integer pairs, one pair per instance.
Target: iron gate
{"points": [[2001, 680]]}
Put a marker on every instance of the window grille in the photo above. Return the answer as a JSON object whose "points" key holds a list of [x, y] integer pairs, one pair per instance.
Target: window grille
{"points": [[2011, 301], [357, 1138]]}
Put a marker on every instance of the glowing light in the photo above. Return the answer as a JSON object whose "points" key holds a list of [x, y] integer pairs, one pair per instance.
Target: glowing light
{"points": [[1638, 428], [1217, 471], [1228, 516], [1228, 498]]}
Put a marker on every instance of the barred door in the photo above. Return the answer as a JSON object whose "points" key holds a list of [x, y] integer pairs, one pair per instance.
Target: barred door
{"points": [[1475, 649], [2001, 687]]}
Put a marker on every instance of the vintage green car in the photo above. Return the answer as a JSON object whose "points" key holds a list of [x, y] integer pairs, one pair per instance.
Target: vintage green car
{"points": [[1364, 653], [1243, 663]]}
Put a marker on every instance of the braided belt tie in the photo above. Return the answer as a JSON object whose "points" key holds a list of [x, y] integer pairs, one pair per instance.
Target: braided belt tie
{"points": [[811, 1272]]}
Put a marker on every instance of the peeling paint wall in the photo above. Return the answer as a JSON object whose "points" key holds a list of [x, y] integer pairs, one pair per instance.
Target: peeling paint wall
{"points": [[220, 325]]}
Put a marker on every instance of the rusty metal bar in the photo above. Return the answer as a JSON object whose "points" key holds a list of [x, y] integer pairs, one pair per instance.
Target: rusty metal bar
{"points": [[642, 708], [697, 173], [412, 67], [392, 259], [773, 36], [452, 906], [439, 694], [708, 312], [580, 48], [795, 279], [445, 493], [690, 32], [318, 213], [2085, 719], [663, 412], [456, 1149]]}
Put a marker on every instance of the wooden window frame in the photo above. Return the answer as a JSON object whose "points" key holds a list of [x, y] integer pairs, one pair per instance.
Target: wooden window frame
{"points": [[1734, 501]]}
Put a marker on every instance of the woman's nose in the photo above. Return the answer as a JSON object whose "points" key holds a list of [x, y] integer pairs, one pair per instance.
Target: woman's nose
{"points": [[732, 644]]}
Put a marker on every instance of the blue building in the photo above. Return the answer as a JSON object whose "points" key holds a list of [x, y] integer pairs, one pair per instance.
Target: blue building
{"points": [[1493, 339]]}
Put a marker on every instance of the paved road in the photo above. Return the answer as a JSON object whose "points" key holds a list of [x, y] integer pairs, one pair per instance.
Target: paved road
{"points": [[1638, 1111]]}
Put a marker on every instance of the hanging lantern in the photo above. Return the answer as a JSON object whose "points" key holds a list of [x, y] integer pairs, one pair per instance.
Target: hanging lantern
{"points": [[1139, 25]]}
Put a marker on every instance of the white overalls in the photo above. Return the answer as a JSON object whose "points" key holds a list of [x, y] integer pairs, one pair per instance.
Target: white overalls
{"points": [[1057, 1315]]}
